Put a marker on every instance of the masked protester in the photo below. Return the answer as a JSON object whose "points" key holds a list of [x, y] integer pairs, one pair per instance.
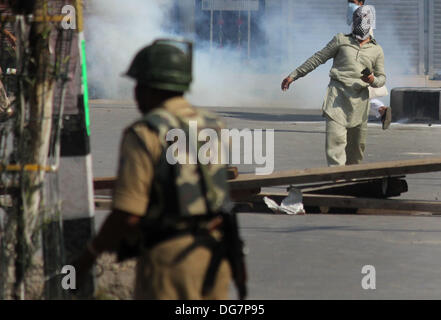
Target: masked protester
{"points": [[353, 5], [358, 63], [376, 105], [172, 213]]}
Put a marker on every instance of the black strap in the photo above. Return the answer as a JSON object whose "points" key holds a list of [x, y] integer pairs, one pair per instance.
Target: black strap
{"points": [[217, 250]]}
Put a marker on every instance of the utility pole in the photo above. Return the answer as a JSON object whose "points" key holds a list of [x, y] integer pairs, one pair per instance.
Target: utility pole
{"points": [[32, 132], [45, 62], [78, 209]]}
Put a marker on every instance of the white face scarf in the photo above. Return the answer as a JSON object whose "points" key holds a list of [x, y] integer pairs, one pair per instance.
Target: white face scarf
{"points": [[362, 22]]}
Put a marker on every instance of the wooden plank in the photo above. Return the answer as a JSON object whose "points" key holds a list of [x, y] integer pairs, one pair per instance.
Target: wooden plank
{"points": [[335, 201], [243, 195], [311, 187], [392, 207], [371, 203], [330, 184], [369, 170], [103, 198], [389, 212], [232, 173], [373, 188], [103, 204], [102, 183]]}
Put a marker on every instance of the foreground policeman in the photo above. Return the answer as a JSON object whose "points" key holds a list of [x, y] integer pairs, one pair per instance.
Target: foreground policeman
{"points": [[175, 218]]}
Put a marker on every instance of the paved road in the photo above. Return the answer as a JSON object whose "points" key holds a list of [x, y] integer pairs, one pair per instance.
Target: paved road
{"points": [[321, 256]]}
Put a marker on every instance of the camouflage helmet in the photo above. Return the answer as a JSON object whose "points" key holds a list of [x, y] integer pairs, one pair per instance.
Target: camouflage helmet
{"points": [[166, 64]]}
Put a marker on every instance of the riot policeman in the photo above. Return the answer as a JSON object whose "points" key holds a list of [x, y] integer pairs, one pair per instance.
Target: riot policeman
{"points": [[174, 214]]}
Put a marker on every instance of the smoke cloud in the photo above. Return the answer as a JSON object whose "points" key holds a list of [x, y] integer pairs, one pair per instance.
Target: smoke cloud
{"points": [[222, 77], [114, 34]]}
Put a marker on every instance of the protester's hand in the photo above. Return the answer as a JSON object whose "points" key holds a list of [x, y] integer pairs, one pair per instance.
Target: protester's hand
{"points": [[286, 82], [368, 79]]}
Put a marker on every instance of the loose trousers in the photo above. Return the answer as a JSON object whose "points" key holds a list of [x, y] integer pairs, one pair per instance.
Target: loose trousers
{"points": [[344, 146]]}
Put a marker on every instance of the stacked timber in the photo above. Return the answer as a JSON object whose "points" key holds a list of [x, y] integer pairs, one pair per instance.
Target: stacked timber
{"points": [[103, 187], [364, 188]]}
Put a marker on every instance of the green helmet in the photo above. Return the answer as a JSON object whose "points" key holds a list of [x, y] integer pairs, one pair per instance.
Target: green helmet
{"points": [[166, 64]]}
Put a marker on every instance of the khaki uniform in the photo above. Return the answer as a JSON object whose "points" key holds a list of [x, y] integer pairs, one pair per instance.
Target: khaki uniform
{"points": [[346, 104], [158, 276]]}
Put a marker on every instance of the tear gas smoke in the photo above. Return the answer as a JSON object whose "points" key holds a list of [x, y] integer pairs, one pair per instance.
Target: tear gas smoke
{"points": [[116, 30]]}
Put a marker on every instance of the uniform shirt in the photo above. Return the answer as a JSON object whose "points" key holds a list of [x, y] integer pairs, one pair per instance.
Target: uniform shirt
{"points": [[347, 97], [138, 154]]}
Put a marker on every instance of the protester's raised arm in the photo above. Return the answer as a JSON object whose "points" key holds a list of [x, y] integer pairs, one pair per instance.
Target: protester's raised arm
{"points": [[317, 59]]}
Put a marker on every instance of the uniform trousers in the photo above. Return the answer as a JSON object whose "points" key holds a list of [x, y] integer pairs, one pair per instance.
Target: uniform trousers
{"points": [[159, 277]]}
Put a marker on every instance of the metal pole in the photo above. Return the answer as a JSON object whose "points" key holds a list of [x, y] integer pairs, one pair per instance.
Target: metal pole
{"points": [[239, 40], [211, 29], [249, 34], [429, 40], [76, 167]]}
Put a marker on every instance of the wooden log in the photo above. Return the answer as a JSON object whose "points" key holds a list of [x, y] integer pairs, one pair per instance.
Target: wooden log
{"points": [[369, 203], [347, 202], [331, 184], [103, 183], [369, 170], [103, 204], [325, 203], [243, 195], [375, 188], [389, 212], [232, 173]]}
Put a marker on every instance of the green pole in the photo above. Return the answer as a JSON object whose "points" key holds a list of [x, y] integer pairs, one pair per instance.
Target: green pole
{"points": [[84, 82]]}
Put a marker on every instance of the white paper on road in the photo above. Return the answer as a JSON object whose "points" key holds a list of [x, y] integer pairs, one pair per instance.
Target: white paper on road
{"points": [[291, 205]]}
